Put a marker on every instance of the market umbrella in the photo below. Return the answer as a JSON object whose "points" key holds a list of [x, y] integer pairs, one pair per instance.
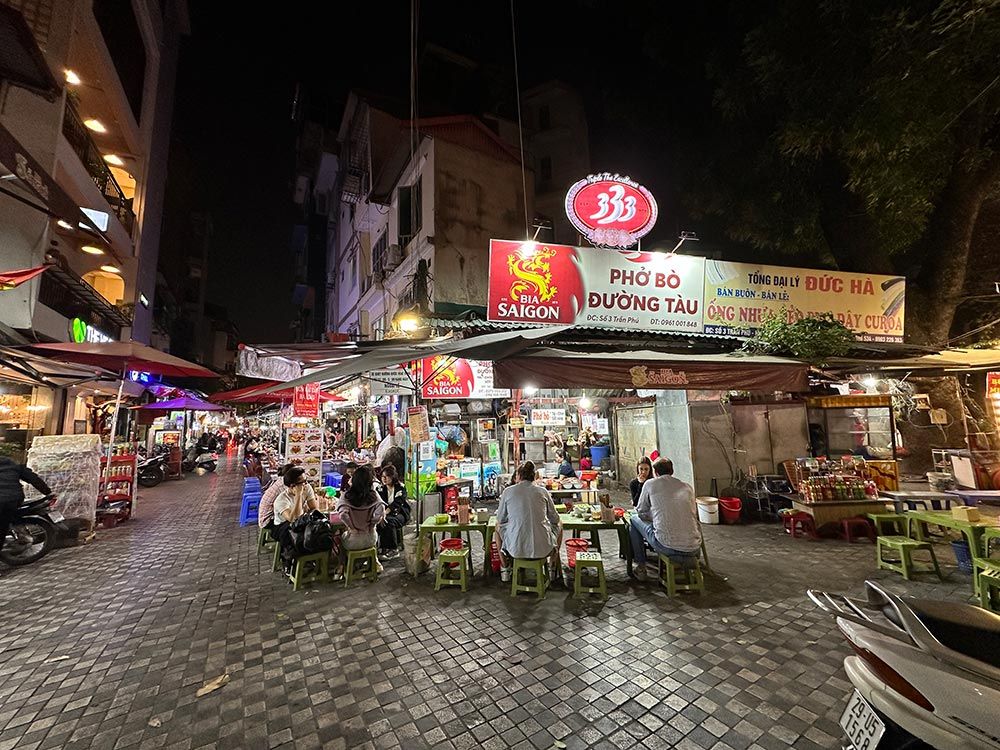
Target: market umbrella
{"points": [[247, 395], [183, 404], [120, 357]]}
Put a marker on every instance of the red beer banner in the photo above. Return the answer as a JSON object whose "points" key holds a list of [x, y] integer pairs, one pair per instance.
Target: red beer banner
{"points": [[305, 400], [557, 284], [447, 377]]}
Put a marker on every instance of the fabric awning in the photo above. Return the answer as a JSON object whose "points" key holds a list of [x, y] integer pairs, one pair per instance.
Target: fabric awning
{"points": [[491, 346], [560, 368], [185, 403]]}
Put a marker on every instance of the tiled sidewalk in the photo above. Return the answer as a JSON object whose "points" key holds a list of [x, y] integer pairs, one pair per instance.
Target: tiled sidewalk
{"points": [[104, 646]]}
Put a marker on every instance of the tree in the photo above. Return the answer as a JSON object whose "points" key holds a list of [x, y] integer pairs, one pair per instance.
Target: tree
{"points": [[864, 135]]}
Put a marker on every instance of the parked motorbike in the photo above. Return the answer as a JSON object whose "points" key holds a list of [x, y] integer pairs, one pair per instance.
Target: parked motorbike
{"points": [[926, 673], [198, 459], [151, 471], [33, 532]]}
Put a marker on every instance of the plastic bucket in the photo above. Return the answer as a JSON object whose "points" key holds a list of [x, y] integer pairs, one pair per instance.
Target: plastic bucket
{"points": [[572, 547], [731, 508], [599, 453], [708, 509], [449, 544], [962, 555]]}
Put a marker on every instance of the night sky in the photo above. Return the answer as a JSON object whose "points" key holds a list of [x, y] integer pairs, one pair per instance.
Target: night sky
{"points": [[639, 66]]}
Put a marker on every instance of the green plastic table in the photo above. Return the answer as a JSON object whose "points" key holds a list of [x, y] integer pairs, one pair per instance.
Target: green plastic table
{"points": [[972, 530], [428, 528]]}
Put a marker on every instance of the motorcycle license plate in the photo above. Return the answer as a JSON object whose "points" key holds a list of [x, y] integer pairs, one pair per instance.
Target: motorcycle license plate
{"points": [[861, 724], [56, 517]]}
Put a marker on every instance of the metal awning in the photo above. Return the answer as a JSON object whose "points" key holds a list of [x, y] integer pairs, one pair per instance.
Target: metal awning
{"points": [[34, 369], [548, 367], [364, 358], [89, 296]]}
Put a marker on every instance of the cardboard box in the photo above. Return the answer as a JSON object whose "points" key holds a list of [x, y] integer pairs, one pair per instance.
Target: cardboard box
{"points": [[965, 513]]}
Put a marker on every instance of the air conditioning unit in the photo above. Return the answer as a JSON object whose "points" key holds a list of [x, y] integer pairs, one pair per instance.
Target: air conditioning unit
{"points": [[393, 257]]}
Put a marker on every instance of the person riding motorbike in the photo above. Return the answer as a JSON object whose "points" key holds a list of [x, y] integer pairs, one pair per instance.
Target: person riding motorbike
{"points": [[11, 492]]}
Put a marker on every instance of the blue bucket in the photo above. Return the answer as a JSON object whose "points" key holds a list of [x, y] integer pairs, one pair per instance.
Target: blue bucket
{"points": [[962, 555], [598, 453]]}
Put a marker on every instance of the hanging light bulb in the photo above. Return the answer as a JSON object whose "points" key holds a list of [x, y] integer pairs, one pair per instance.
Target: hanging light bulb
{"points": [[585, 402]]}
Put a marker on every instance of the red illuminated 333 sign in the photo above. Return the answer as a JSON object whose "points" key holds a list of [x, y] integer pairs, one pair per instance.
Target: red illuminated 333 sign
{"points": [[611, 210]]}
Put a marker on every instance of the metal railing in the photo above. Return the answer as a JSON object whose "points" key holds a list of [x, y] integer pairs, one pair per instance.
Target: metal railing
{"points": [[73, 297], [78, 137]]}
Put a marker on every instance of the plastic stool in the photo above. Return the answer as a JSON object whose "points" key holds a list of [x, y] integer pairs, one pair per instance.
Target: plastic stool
{"points": [[800, 524], [265, 540], [355, 556], [593, 561], [693, 578], [321, 571], [540, 567], [248, 510], [890, 524], [452, 569], [276, 562], [904, 547], [850, 526], [989, 590]]}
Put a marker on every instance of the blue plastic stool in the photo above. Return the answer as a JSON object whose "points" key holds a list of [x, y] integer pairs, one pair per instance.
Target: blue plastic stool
{"points": [[248, 511], [332, 479], [251, 483]]}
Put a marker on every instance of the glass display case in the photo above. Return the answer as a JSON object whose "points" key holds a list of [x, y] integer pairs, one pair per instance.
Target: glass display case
{"points": [[852, 425]]}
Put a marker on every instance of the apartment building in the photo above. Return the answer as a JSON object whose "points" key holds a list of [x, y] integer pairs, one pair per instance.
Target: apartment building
{"points": [[427, 196], [86, 100]]}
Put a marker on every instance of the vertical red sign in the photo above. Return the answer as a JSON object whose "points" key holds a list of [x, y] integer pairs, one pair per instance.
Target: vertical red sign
{"points": [[305, 400]]}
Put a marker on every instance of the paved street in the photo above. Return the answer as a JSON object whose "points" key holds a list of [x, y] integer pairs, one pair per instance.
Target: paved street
{"points": [[105, 645]]}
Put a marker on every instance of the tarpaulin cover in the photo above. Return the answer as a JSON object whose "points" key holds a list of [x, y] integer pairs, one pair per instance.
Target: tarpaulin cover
{"points": [[554, 368], [71, 466]]}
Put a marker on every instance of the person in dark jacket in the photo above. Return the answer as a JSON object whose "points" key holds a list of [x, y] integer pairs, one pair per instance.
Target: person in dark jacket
{"points": [[643, 471], [393, 494], [11, 492]]}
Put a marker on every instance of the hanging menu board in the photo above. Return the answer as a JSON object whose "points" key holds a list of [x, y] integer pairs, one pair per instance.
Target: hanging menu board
{"points": [[304, 447]]}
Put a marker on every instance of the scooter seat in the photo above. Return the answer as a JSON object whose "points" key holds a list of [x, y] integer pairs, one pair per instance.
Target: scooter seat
{"points": [[964, 628]]}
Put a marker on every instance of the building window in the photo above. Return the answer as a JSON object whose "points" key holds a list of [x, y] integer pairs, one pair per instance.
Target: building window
{"points": [[544, 118], [545, 169], [379, 252], [410, 212]]}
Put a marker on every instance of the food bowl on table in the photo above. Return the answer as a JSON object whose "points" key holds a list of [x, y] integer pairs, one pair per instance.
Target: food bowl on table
{"points": [[441, 518]]}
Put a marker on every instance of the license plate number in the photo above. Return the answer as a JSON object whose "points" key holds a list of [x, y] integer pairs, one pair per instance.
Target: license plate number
{"points": [[861, 724], [56, 517]]}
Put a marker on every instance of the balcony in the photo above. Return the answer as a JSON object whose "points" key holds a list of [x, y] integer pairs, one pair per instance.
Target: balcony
{"points": [[72, 297], [78, 138]]}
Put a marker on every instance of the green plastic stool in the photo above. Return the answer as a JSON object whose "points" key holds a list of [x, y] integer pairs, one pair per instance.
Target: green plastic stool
{"points": [[890, 524], [453, 576], [319, 563], [265, 541], [989, 590], [691, 578], [355, 556], [589, 561], [904, 547], [540, 567], [276, 563]]}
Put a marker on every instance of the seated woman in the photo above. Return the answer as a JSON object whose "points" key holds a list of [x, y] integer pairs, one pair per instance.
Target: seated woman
{"points": [[297, 498], [528, 526], [265, 511], [566, 467], [360, 510], [393, 494], [643, 471]]}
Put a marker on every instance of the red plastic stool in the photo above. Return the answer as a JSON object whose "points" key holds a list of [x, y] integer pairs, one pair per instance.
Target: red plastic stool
{"points": [[850, 528], [801, 524]]}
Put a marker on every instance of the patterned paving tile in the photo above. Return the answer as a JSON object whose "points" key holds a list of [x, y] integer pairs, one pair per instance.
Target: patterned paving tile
{"points": [[105, 645]]}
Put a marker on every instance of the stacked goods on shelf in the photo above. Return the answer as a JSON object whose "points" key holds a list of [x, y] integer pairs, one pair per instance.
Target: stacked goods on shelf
{"points": [[71, 466]]}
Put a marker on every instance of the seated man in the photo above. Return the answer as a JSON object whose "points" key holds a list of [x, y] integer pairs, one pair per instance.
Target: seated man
{"points": [[666, 519], [528, 526]]}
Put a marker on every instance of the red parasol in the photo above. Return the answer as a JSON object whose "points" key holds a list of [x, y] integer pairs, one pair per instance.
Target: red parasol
{"points": [[284, 395], [121, 356], [11, 279]]}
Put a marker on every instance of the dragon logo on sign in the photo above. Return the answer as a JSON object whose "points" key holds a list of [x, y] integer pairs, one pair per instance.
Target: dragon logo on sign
{"points": [[533, 275]]}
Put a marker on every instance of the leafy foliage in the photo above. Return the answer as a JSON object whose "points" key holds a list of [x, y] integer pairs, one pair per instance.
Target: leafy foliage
{"points": [[813, 339], [859, 135]]}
